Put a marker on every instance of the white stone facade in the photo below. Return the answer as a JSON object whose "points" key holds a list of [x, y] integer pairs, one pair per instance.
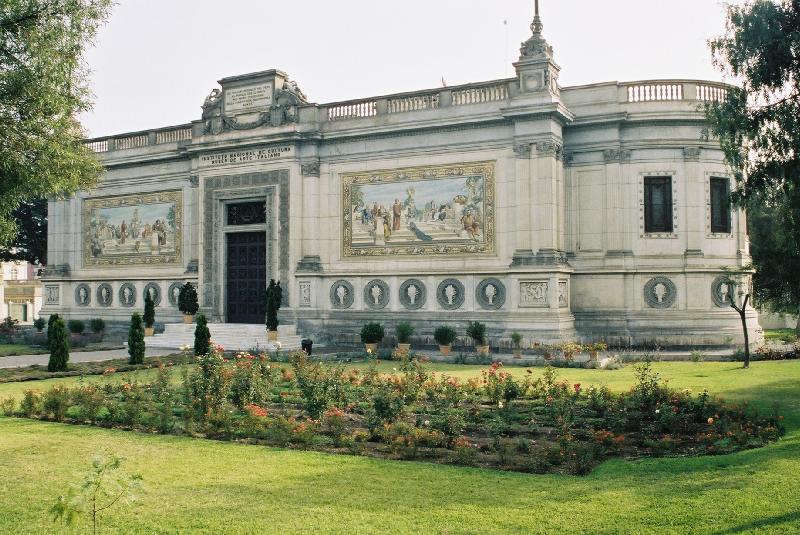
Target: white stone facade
{"points": [[558, 249]]}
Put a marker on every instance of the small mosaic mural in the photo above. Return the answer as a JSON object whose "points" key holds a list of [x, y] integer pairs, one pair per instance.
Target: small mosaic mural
{"points": [[441, 210], [132, 229]]}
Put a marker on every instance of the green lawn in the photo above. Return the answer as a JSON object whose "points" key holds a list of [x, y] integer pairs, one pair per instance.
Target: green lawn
{"points": [[781, 335], [196, 485], [8, 350]]}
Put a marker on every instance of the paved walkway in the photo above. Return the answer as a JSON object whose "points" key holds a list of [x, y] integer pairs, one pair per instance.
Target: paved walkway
{"points": [[20, 361]]}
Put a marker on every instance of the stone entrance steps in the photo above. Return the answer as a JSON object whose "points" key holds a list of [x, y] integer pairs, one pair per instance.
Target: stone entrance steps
{"points": [[231, 336]]}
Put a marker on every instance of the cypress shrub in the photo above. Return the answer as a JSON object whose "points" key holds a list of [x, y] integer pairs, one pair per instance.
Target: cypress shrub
{"points": [[76, 326], [187, 299], [58, 344], [97, 325], [50, 320], [202, 336], [136, 340], [149, 311], [274, 297]]}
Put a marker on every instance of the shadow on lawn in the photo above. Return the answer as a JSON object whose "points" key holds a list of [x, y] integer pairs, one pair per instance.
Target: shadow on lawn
{"points": [[792, 518]]}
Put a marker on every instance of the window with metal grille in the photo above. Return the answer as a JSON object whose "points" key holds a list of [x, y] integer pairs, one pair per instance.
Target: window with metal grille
{"points": [[247, 213], [720, 206], [658, 204]]}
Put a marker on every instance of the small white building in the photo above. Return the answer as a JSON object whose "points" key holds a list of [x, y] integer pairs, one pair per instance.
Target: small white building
{"points": [[590, 212], [20, 291]]}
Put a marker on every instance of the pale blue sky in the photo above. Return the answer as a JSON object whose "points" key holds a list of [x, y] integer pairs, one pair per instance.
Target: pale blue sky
{"points": [[156, 60]]}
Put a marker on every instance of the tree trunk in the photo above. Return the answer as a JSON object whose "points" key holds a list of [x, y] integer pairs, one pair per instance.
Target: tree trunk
{"points": [[797, 327], [742, 313]]}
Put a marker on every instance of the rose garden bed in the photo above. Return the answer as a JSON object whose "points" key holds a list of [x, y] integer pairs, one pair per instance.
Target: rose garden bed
{"points": [[532, 425]]}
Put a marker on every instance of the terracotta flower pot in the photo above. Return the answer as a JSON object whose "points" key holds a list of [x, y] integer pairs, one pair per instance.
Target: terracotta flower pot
{"points": [[272, 336], [592, 355], [403, 349], [517, 353], [188, 319], [371, 348], [482, 350], [148, 331], [445, 350]]}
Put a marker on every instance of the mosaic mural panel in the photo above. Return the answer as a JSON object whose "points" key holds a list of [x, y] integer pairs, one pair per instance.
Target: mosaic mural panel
{"points": [[441, 210], [133, 229]]}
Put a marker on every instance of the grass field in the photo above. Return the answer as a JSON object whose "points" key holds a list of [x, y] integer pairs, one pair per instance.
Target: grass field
{"points": [[780, 335], [202, 486], [8, 350]]}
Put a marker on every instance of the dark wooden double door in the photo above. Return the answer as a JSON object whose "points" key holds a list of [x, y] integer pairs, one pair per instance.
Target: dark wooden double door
{"points": [[246, 282]]}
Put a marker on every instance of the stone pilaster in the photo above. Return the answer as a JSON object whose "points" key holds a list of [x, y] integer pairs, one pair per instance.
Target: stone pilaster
{"points": [[695, 204], [310, 261]]}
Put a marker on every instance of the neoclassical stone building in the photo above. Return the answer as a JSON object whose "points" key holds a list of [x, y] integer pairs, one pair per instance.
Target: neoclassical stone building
{"points": [[588, 212]]}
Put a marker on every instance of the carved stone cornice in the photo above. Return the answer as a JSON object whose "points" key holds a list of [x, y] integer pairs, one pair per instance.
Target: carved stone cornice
{"points": [[616, 155], [692, 153], [310, 169]]}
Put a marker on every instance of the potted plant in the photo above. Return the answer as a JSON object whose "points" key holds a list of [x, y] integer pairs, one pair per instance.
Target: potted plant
{"points": [[444, 336], [477, 331], [149, 314], [371, 335], [569, 349], [98, 327], [40, 324], [403, 331], [187, 302], [273, 297], [516, 340], [593, 349]]}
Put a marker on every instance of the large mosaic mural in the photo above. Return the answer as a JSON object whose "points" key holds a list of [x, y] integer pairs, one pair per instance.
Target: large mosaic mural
{"points": [[132, 229], [438, 210]]}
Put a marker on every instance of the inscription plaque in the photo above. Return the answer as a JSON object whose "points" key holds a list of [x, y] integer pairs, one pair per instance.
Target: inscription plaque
{"points": [[250, 98]]}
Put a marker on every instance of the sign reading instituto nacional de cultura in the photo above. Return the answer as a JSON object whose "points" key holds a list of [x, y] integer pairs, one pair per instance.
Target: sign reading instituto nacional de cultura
{"points": [[564, 213]]}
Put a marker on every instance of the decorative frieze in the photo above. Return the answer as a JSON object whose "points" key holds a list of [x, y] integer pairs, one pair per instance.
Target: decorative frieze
{"points": [[563, 296], [450, 294], [105, 295], [533, 294], [721, 291], [154, 290], [127, 294], [83, 295], [52, 294], [310, 169], [549, 148], [376, 294], [616, 155], [522, 150], [174, 293], [660, 292], [692, 153], [412, 294], [490, 294], [304, 292], [341, 295]]}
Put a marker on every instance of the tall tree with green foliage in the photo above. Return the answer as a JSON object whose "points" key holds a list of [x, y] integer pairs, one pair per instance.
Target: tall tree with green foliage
{"points": [[43, 87], [30, 242], [136, 345], [758, 126], [202, 336], [59, 345]]}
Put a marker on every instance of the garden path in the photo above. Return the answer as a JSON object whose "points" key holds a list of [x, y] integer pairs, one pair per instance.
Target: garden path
{"points": [[20, 361]]}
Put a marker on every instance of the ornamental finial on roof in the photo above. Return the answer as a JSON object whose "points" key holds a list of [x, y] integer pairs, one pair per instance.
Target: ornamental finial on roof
{"points": [[536, 25], [536, 46]]}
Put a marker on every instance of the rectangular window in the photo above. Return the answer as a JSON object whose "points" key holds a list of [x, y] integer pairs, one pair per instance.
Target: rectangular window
{"points": [[658, 204], [720, 206]]}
